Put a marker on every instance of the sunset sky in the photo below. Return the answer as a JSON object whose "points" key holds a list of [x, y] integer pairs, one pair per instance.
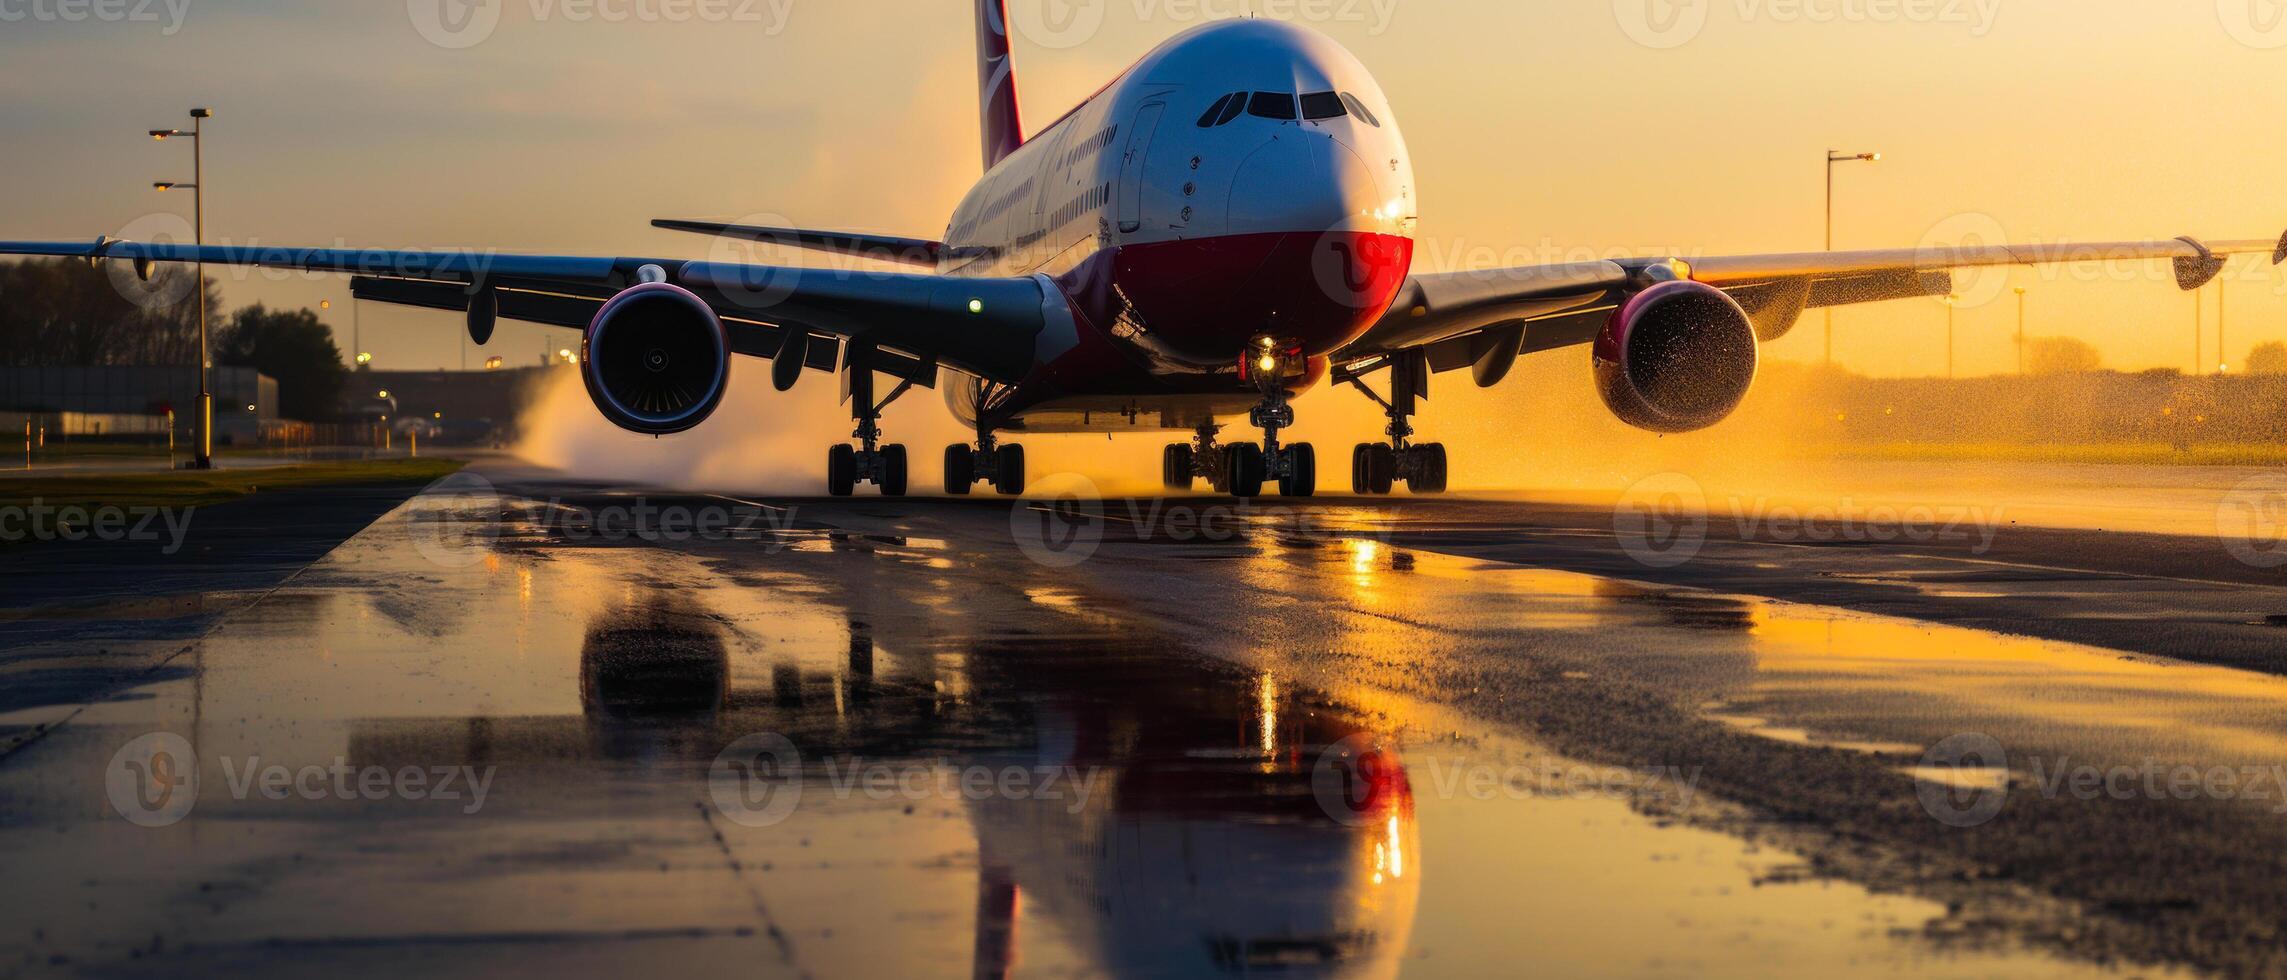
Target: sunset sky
{"points": [[1542, 131]]}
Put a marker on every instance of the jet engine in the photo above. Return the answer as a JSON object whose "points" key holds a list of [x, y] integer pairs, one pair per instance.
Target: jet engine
{"points": [[1678, 357], [656, 359]]}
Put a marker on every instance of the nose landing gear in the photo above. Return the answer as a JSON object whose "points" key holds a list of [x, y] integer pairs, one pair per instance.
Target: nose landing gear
{"points": [[1246, 468], [986, 462], [1377, 468]]}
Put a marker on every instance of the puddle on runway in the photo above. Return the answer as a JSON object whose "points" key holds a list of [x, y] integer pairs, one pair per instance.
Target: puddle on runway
{"points": [[1209, 819]]}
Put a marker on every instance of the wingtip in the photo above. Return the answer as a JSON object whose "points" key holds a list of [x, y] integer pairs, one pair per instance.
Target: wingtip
{"points": [[2280, 257]]}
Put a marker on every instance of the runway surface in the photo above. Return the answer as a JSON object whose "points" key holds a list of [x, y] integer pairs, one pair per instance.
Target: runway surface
{"points": [[524, 723]]}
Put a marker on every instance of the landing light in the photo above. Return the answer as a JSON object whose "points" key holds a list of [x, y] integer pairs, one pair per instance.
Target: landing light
{"points": [[1268, 364], [976, 306]]}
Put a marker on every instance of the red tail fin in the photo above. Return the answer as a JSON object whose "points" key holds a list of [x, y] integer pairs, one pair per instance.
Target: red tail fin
{"points": [[996, 83]]}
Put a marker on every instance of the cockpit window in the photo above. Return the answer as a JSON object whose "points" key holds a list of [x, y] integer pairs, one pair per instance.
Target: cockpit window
{"points": [[1230, 112], [1272, 105], [1323, 105], [1214, 112], [1358, 109]]}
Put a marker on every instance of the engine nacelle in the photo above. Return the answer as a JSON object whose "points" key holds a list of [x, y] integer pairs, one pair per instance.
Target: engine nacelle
{"points": [[1678, 357], [656, 359]]}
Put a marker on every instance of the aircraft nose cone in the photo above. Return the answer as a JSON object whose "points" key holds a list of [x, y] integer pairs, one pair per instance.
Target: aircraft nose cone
{"points": [[1308, 181]]}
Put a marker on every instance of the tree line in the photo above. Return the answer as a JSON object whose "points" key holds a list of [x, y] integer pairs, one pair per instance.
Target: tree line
{"points": [[73, 313]]}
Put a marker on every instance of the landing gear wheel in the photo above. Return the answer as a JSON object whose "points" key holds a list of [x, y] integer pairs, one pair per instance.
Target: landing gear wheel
{"points": [[1358, 468], [1178, 467], [841, 471], [1431, 475], [1301, 479], [960, 470], [893, 471], [1243, 465], [1008, 470], [1381, 469]]}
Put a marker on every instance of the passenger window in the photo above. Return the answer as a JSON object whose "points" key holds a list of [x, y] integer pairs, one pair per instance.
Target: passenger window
{"points": [[1358, 109], [1230, 112], [1272, 105], [1214, 112], [1323, 105]]}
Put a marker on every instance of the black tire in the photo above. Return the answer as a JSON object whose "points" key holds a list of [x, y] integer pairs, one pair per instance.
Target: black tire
{"points": [[841, 471], [1176, 468], [1433, 469], [1358, 455], [1301, 479], [960, 471], [1008, 470], [894, 471], [1381, 469], [1244, 468]]}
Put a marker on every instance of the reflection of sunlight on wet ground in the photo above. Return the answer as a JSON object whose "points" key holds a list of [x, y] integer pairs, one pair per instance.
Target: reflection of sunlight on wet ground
{"points": [[2151, 499], [604, 679], [1835, 672]]}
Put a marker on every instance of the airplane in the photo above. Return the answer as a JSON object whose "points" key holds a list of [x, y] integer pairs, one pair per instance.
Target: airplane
{"points": [[1226, 225]]}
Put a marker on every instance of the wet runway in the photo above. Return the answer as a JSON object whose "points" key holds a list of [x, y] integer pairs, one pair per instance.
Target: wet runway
{"points": [[527, 724]]}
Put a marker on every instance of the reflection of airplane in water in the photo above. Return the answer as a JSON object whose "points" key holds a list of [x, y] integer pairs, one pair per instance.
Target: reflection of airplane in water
{"points": [[1203, 849], [1222, 845]]}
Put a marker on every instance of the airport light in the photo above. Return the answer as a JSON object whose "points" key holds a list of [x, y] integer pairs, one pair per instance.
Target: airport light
{"points": [[202, 453], [1833, 157], [364, 358]]}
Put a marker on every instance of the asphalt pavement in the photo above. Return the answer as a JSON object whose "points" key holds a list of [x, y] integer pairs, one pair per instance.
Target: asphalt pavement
{"points": [[526, 723]]}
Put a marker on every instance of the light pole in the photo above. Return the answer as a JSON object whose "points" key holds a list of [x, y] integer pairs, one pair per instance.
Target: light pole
{"points": [[202, 453], [2199, 339], [1950, 305], [2020, 331], [2223, 354], [1833, 157]]}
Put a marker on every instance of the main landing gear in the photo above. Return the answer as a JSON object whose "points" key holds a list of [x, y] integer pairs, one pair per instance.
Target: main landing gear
{"points": [[1377, 468], [1243, 469], [985, 462], [869, 461]]}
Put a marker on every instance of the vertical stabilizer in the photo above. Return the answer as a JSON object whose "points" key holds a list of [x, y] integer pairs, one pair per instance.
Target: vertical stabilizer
{"points": [[996, 83]]}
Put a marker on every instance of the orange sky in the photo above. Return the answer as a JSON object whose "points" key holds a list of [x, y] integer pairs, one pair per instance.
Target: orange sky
{"points": [[1542, 131]]}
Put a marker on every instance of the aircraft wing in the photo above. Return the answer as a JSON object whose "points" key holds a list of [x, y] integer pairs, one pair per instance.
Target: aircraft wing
{"points": [[1485, 319], [910, 324]]}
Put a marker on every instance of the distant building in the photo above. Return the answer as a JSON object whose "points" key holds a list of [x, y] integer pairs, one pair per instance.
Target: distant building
{"points": [[121, 401]]}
